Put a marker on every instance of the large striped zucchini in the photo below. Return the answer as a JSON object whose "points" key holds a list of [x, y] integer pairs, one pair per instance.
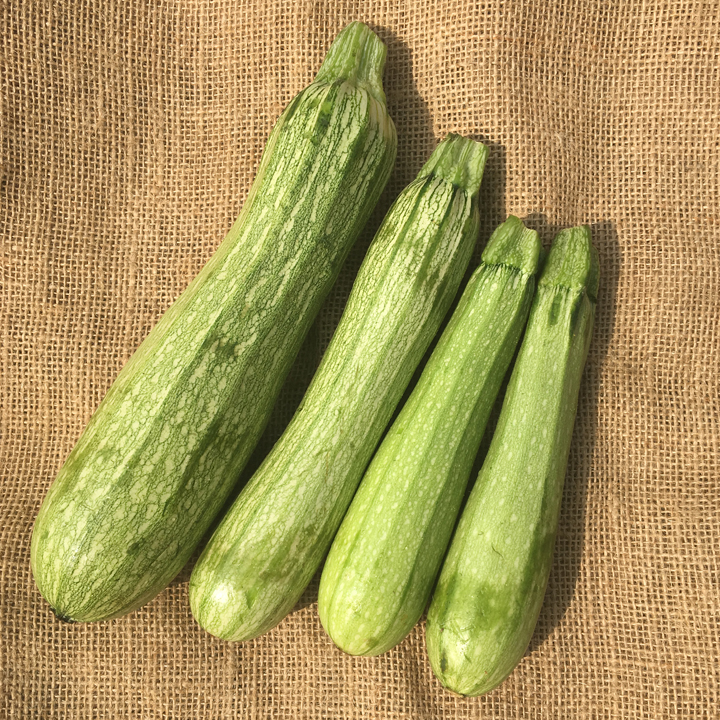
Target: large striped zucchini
{"points": [[492, 584], [162, 452], [273, 539], [385, 558]]}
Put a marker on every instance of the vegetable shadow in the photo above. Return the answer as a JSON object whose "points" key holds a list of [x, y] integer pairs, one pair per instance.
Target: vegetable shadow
{"points": [[414, 146], [570, 541], [416, 142], [491, 201]]}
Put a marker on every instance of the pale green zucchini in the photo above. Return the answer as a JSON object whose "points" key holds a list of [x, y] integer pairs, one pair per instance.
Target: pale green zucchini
{"points": [[492, 584], [162, 452], [385, 558], [271, 542]]}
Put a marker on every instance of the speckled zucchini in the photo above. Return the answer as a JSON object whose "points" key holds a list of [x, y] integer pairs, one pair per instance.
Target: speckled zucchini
{"points": [[492, 584], [271, 542], [385, 558], [165, 447]]}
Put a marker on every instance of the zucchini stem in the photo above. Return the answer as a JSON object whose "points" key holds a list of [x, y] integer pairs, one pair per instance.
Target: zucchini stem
{"points": [[358, 56], [460, 161]]}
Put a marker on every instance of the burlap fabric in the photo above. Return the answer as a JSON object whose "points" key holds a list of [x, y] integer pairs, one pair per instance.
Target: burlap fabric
{"points": [[131, 132]]}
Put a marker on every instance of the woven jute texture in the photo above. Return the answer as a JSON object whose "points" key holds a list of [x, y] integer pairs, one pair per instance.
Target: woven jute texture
{"points": [[131, 131]]}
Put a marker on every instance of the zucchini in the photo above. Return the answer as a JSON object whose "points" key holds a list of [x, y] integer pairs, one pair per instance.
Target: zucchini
{"points": [[168, 442], [271, 542], [493, 581], [385, 558]]}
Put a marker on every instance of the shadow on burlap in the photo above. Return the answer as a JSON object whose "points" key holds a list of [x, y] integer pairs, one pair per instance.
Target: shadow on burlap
{"points": [[130, 135]]}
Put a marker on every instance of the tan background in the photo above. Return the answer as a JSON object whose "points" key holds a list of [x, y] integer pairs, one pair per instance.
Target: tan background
{"points": [[131, 130]]}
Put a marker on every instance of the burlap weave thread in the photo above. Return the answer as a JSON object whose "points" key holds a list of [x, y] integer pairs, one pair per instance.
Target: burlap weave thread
{"points": [[130, 132]]}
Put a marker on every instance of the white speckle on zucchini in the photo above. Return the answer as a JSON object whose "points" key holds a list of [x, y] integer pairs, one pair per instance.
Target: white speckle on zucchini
{"points": [[542, 392]]}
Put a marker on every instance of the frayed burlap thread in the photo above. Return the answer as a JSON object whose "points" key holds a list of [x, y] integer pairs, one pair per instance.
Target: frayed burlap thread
{"points": [[130, 133]]}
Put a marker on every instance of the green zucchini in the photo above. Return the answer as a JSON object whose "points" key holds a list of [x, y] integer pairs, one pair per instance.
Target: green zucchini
{"points": [[164, 449], [271, 542], [492, 584], [385, 558]]}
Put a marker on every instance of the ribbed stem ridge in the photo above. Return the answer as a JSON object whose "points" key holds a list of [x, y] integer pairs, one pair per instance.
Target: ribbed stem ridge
{"points": [[460, 161], [358, 56]]}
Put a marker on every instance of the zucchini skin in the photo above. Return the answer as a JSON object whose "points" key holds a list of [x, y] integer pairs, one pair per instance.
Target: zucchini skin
{"points": [[168, 442], [272, 541], [492, 584], [383, 563]]}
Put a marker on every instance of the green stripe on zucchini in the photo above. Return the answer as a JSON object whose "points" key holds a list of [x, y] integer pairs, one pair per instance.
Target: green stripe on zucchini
{"points": [[385, 558], [493, 581], [165, 447], [269, 545]]}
